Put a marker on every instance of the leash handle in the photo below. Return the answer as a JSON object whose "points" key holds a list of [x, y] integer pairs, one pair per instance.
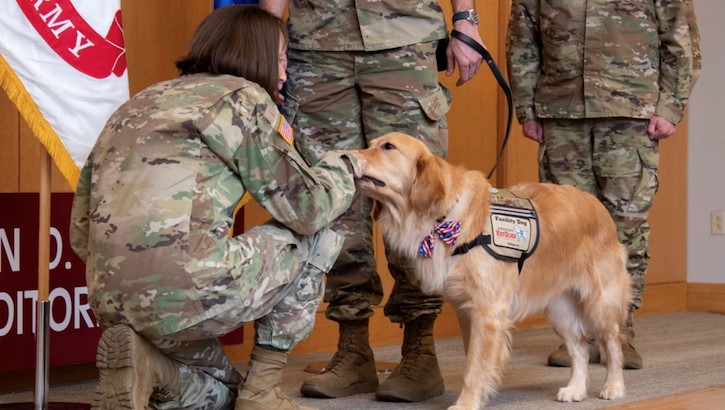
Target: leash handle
{"points": [[501, 82]]}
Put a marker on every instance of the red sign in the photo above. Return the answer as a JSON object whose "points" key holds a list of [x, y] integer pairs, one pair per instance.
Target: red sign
{"points": [[74, 332]]}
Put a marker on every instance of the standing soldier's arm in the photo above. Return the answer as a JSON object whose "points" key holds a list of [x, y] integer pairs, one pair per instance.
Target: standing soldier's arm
{"points": [[523, 56], [694, 42], [468, 60], [676, 59]]}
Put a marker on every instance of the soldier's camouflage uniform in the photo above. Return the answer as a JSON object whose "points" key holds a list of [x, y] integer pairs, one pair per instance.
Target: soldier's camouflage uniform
{"points": [[595, 72], [358, 70], [152, 216]]}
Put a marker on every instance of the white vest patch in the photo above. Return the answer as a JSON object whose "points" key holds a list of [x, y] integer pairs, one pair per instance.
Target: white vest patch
{"points": [[514, 226]]}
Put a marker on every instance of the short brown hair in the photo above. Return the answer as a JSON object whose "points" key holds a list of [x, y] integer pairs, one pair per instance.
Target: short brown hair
{"points": [[238, 40]]}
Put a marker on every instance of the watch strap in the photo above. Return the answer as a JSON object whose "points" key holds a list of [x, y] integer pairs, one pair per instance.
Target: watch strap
{"points": [[469, 15]]}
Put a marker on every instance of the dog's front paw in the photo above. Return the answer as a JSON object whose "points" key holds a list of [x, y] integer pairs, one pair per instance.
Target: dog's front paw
{"points": [[612, 391], [466, 405], [570, 394]]}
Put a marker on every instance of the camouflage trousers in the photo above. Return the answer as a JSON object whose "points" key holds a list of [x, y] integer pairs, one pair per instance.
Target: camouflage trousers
{"points": [[615, 160], [343, 100], [280, 293]]}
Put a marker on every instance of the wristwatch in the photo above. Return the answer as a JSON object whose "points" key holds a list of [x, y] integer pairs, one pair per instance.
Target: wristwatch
{"points": [[471, 15]]}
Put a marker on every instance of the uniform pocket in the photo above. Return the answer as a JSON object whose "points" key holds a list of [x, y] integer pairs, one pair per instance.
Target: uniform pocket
{"points": [[618, 164], [436, 104], [648, 184], [309, 284], [324, 250], [631, 181]]}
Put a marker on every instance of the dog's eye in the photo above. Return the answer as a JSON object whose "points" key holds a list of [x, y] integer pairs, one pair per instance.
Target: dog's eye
{"points": [[388, 145]]}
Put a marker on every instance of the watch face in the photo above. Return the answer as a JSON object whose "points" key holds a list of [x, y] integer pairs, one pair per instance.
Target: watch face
{"points": [[469, 15], [473, 17]]}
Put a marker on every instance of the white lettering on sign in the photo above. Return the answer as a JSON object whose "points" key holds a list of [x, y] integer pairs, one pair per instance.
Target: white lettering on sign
{"points": [[12, 251], [73, 310]]}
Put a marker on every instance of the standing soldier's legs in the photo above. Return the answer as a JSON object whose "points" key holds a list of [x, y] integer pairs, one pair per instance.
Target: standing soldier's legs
{"points": [[400, 92], [626, 162], [323, 107], [623, 163], [565, 155], [565, 158]]}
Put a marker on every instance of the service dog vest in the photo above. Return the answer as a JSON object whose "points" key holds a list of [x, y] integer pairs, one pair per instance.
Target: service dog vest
{"points": [[514, 228]]}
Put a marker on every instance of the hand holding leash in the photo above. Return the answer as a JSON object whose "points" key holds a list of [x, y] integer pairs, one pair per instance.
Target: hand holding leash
{"points": [[501, 82], [467, 58]]}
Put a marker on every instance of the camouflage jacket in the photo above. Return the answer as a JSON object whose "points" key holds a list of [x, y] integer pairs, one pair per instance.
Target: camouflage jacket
{"points": [[154, 205], [370, 25], [601, 58]]}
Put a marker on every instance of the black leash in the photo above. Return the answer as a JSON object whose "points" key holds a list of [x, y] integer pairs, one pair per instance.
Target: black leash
{"points": [[501, 82]]}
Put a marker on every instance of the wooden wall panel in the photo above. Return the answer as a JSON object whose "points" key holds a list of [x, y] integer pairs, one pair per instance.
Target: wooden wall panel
{"points": [[29, 154], [9, 123], [706, 297], [157, 33], [668, 217]]}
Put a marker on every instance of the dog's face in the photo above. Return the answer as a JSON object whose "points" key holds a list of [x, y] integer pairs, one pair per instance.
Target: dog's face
{"points": [[402, 174]]}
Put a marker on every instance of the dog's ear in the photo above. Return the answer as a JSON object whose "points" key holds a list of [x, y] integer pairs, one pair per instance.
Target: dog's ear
{"points": [[427, 190]]}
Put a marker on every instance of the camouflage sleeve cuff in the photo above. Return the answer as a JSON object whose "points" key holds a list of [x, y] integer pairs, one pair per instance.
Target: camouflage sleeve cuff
{"points": [[353, 164], [524, 114], [669, 113]]}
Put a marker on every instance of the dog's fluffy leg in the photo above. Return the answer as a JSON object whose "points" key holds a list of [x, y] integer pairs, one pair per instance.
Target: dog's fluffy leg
{"points": [[564, 315], [576, 389], [614, 384], [488, 350]]}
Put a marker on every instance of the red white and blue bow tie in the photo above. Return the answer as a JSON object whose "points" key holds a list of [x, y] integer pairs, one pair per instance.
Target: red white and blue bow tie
{"points": [[446, 230]]}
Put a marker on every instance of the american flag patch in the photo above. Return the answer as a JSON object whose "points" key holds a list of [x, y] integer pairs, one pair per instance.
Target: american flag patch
{"points": [[285, 130]]}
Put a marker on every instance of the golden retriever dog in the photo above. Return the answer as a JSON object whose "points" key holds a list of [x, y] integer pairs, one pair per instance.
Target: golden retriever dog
{"points": [[576, 274]]}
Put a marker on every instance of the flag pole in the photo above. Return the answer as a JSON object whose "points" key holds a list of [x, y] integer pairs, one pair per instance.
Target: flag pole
{"points": [[43, 310]]}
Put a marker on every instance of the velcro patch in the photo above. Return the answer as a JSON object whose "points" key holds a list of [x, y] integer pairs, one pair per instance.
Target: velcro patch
{"points": [[285, 130]]}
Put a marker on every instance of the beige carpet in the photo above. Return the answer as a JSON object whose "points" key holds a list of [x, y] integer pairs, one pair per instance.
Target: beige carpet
{"points": [[681, 351]]}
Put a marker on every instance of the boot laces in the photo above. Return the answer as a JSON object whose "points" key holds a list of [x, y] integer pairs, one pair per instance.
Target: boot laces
{"points": [[413, 351], [342, 347], [335, 361]]}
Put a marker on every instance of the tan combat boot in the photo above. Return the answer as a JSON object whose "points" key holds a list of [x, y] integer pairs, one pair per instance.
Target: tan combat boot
{"points": [[352, 368], [632, 359], [560, 357], [132, 371], [417, 377], [260, 389]]}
